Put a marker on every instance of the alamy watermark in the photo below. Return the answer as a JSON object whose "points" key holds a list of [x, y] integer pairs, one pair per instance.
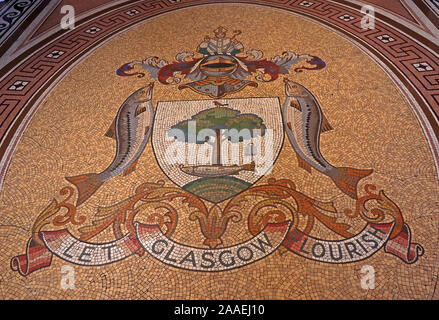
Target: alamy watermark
{"points": [[68, 19], [368, 280], [368, 20], [68, 277], [221, 148]]}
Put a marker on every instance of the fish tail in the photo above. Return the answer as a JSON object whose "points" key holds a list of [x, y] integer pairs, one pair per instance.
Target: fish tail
{"points": [[249, 166], [346, 179], [87, 185]]}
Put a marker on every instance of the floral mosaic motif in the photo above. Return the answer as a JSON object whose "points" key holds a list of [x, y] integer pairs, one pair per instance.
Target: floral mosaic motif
{"points": [[93, 30], [385, 38], [55, 54], [423, 66], [19, 85]]}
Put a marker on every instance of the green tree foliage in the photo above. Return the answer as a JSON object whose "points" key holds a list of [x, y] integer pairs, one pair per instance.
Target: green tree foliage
{"points": [[219, 118]]}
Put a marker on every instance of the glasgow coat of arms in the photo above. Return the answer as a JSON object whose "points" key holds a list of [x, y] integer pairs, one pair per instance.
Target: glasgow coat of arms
{"points": [[216, 153]]}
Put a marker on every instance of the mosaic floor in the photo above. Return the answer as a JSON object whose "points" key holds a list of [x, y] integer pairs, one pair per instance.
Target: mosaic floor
{"points": [[165, 149]]}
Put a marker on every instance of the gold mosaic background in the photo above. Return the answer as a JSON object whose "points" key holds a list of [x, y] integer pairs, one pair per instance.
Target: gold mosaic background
{"points": [[374, 127]]}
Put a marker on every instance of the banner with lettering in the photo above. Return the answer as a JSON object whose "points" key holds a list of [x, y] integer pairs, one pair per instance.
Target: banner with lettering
{"points": [[65, 246], [371, 239]]}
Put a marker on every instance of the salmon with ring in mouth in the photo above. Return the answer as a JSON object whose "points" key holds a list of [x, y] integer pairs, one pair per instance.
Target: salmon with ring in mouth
{"points": [[131, 128], [303, 122]]}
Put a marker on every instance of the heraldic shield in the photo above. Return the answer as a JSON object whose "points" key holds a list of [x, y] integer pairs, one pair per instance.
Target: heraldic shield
{"points": [[216, 149]]}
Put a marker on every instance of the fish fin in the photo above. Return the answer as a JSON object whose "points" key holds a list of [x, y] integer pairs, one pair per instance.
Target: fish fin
{"points": [[249, 166], [303, 164], [146, 130], [130, 168], [111, 132], [326, 126], [87, 185], [347, 179], [140, 110], [296, 105]]}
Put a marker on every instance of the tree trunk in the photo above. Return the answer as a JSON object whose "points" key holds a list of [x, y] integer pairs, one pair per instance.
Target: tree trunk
{"points": [[218, 146]]}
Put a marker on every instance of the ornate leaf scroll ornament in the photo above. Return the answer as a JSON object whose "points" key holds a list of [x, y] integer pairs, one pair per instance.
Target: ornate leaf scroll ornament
{"points": [[254, 55], [187, 65], [183, 56], [70, 215], [277, 202], [385, 207], [151, 64], [279, 194], [221, 70], [277, 207], [213, 224], [121, 215], [49, 215], [399, 242], [314, 61], [37, 256]]}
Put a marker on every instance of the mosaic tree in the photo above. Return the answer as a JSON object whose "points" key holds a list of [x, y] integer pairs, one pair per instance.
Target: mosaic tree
{"points": [[214, 126]]}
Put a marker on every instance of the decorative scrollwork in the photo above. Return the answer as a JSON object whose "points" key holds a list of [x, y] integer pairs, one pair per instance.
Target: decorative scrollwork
{"points": [[279, 201], [70, 215], [274, 207], [213, 224], [45, 217], [276, 213], [385, 208]]}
